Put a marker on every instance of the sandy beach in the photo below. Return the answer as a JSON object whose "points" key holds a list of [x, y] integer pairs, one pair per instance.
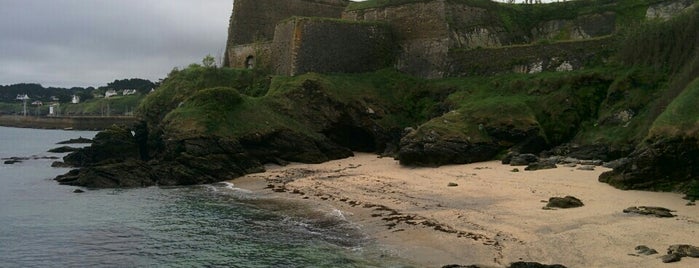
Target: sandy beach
{"points": [[489, 215]]}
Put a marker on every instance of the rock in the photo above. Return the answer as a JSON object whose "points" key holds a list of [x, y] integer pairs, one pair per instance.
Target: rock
{"points": [[587, 152], [12, 162], [540, 166], [514, 170], [689, 204], [671, 258], [80, 140], [684, 250], [654, 211], [616, 163], [586, 167], [422, 151], [591, 162], [523, 159], [564, 202], [78, 191], [452, 184], [59, 164], [112, 145], [644, 250], [667, 164], [534, 265], [127, 174], [63, 149]]}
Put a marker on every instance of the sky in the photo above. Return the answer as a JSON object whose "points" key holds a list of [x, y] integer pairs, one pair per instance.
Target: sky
{"points": [[67, 43]]}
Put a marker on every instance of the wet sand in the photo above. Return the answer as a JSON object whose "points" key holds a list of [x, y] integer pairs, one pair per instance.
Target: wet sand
{"points": [[492, 217]]}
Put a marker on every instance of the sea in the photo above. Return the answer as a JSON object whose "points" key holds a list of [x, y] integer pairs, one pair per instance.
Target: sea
{"points": [[44, 224]]}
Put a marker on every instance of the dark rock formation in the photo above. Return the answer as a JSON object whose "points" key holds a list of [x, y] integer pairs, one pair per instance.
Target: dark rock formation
{"points": [[78, 191], [675, 253], [425, 151], [653, 211], [564, 202], [80, 140], [671, 258], [522, 159], [684, 250], [112, 145], [63, 149], [645, 250], [663, 164], [14, 160], [587, 152], [534, 265], [540, 165], [520, 264], [116, 158]]}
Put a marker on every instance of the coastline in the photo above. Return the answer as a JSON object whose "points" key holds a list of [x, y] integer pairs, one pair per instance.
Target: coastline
{"points": [[493, 216], [65, 122]]}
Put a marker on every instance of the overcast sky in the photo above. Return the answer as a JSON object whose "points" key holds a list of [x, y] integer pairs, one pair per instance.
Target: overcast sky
{"points": [[92, 42], [68, 43]]}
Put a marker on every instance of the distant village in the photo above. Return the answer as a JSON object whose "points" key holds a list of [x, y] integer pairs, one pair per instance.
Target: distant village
{"points": [[75, 99]]}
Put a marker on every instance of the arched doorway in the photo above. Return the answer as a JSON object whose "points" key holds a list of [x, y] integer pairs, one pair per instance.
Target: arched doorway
{"points": [[250, 62]]}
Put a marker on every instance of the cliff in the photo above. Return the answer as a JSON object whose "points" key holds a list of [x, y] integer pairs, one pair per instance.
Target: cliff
{"points": [[625, 97]]}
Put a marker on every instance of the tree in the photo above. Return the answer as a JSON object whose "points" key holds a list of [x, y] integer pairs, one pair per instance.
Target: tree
{"points": [[209, 61]]}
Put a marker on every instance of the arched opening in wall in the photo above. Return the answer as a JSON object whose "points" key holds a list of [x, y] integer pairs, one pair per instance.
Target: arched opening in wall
{"points": [[250, 62]]}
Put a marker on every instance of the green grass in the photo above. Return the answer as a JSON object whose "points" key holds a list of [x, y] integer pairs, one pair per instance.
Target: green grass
{"points": [[681, 118]]}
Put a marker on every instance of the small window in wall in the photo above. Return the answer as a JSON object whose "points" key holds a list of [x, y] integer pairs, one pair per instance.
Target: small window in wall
{"points": [[250, 62]]}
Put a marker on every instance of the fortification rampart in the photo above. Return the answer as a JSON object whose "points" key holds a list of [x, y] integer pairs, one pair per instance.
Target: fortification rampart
{"points": [[304, 45], [433, 38], [562, 56], [253, 22]]}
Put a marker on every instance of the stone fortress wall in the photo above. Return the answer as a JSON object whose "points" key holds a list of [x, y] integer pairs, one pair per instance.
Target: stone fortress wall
{"points": [[425, 38]]}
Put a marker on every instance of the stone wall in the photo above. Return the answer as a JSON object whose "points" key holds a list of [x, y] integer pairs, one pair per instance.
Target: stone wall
{"points": [[256, 55], [304, 45], [253, 21], [668, 9], [422, 29], [561, 56]]}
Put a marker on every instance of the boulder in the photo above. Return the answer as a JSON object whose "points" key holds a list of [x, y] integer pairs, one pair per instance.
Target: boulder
{"points": [[684, 250], [427, 152], [523, 159], [112, 145], [540, 166], [63, 149], [564, 202], [661, 164], [645, 250], [671, 258], [522, 264], [652, 211], [80, 140]]}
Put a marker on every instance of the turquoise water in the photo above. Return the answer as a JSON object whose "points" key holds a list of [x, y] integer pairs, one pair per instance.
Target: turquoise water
{"points": [[43, 224]]}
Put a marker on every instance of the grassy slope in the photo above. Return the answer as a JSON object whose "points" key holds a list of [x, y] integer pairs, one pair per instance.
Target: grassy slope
{"points": [[584, 106]]}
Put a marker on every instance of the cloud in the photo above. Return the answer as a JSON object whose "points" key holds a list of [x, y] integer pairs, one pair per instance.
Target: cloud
{"points": [[92, 42]]}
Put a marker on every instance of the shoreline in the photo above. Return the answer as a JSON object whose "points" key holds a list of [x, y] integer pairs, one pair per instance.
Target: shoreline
{"points": [[493, 216], [65, 122]]}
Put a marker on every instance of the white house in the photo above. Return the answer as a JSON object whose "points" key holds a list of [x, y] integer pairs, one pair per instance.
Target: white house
{"points": [[110, 93], [75, 100], [127, 92]]}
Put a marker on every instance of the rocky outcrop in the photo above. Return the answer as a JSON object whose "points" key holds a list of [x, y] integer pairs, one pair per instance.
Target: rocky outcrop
{"points": [[188, 161], [675, 253], [667, 10], [564, 202], [651, 211], [669, 164], [432, 151]]}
